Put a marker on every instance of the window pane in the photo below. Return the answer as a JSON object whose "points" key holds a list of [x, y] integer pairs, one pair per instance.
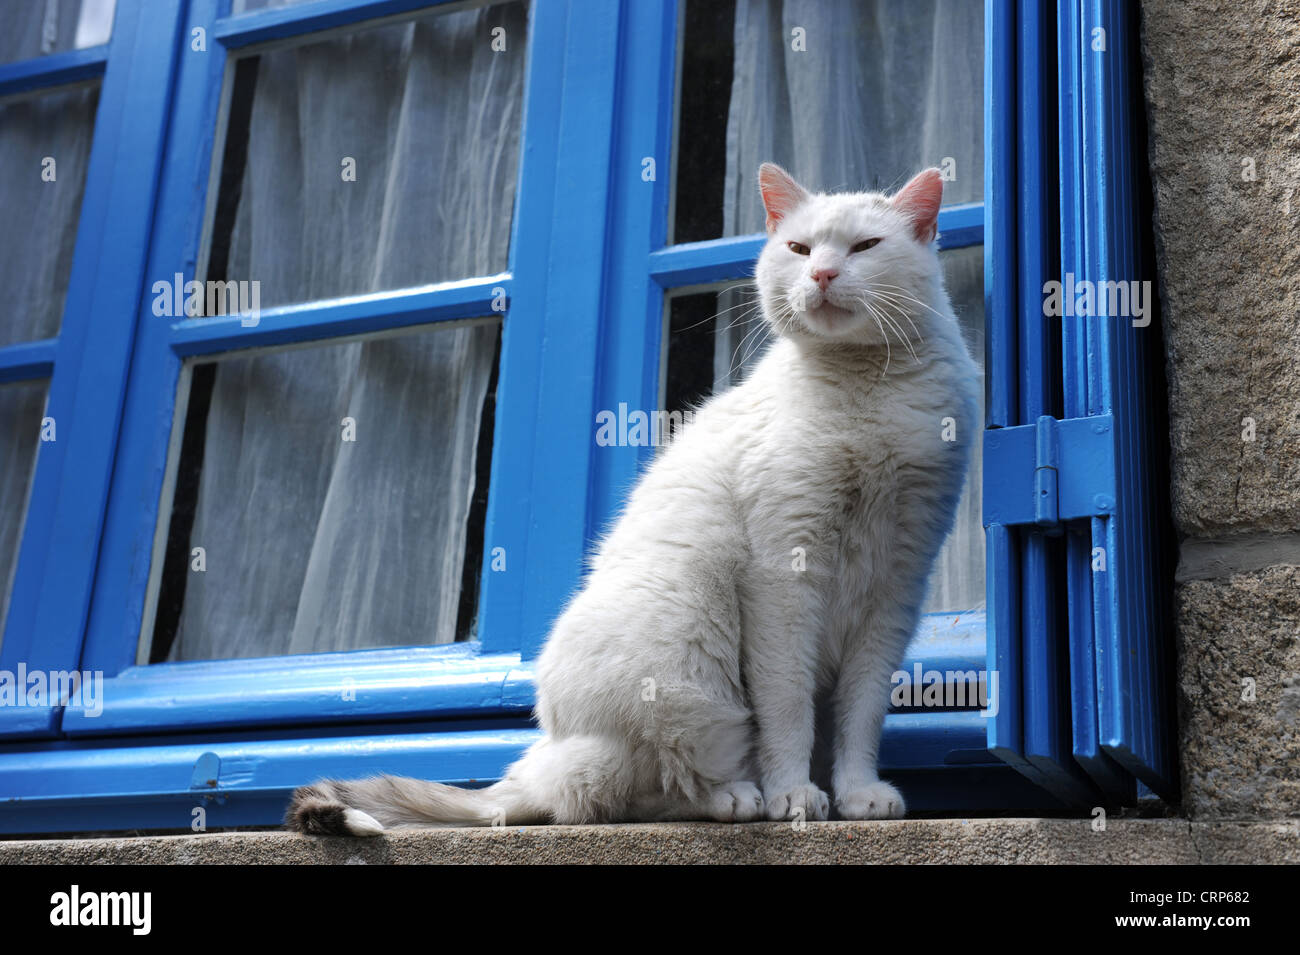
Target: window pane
{"points": [[957, 584], [714, 338], [40, 27], [378, 160], [22, 404], [845, 94], [337, 493], [44, 150], [248, 6]]}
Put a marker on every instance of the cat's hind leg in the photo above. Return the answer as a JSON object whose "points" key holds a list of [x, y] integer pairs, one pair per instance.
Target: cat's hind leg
{"points": [[580, 779], [704, 752]]}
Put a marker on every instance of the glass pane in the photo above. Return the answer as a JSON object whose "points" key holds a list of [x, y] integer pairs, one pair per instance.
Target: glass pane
{"points": [[331, 498], [40, 27], [714, 338], [957, 584], [378, 160], [22, 404], [845, 94], [44, 150]]}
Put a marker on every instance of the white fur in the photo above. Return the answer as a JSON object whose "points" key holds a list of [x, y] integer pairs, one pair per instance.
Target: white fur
{"points": [[832, 446], [360, 824], [682, 679]]}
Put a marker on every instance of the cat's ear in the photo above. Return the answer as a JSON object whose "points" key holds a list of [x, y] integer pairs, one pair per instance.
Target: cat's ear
{"points": [[780, 193], [919, 200]]}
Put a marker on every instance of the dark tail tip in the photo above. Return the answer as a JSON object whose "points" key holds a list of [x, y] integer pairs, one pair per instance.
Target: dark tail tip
{"points": [[314, 811]]}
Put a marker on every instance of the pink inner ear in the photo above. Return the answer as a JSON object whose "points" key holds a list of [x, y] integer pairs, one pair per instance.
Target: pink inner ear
{"points": [[780, 193], [919, 200]]}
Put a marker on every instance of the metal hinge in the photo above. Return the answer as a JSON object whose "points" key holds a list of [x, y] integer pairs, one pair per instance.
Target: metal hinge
{"points": [[1052, 471]]}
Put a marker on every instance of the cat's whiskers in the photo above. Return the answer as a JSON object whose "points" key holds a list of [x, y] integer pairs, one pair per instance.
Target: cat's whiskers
{"points": [[885, 302], [750, 307], [883, 321], [755, 345], [872, 314], [731, 364], [744, 318], [905, 294], [753, 305], [882, 299]]}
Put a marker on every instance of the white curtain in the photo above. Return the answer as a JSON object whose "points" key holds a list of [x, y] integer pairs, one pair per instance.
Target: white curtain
{"points": [[312, 542], [957, 583], [44, 149], [40, 27], [861, 94], [22, 404]]}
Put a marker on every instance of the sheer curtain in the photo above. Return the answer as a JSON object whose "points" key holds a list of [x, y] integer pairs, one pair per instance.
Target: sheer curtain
{"points": [[881, 89], [40, 27], [313, 542], [36, 260], [22, 404]]}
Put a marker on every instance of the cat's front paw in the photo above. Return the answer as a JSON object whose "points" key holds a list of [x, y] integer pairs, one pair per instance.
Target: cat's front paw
{"points": [[877, 800], [801, 803], [736, 802]]}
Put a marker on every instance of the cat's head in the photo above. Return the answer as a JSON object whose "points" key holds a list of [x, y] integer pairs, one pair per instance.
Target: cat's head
{"points": [[856, 268]]}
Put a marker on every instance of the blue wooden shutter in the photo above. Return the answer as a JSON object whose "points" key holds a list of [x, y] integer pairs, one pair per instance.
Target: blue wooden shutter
{"points": [[1077, 540]]}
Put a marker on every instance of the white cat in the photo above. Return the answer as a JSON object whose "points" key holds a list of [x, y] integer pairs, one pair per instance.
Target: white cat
{"points": [[771, 559]]}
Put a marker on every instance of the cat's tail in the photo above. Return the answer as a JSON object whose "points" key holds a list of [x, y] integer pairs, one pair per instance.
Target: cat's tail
{"points": [[366, 807], [579, 779]]}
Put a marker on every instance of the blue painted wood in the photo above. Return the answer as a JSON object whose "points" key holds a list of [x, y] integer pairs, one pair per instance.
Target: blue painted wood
{"points": [[517, 453], [52, 585], [961, 225], [1132, 633], [560, 267], [279, 23], [713, 260], [1010, 608], [105, 785], [354, 315], [633, 316], [415, 682], [1000, 202], [117, 610], [28, 360], [1118, 712], [1005, 735], [1077, 346], [56, 69], [733, 257]]}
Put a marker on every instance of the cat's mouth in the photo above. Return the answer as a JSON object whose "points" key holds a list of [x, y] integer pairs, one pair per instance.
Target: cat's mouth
{"points": [[831, 310], [829, 318]]}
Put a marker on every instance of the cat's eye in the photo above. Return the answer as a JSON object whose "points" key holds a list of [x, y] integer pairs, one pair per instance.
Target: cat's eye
{"points": [[864, 245], [798, 248]]}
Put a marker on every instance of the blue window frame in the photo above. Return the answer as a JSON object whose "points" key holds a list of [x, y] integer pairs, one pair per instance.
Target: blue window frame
{"points": [[589, 269], [1077, 534]]}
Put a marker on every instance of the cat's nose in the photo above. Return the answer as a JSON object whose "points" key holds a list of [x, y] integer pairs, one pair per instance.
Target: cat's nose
{"points": [[823, 277]]}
